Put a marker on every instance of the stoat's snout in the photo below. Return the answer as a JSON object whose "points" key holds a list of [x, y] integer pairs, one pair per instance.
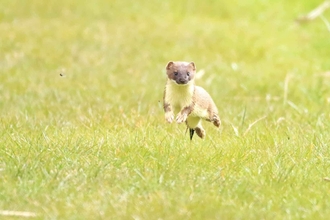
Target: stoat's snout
{"points": [[181, 78]]}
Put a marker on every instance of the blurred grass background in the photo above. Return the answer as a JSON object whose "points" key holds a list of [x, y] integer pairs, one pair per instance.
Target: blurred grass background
{"points": [[93, 143]]}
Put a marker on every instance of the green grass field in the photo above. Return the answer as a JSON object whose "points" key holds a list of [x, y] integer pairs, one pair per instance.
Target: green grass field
{"points": [[93, 143]]}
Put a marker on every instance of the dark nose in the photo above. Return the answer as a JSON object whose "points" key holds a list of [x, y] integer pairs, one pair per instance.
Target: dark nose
{"points": [[182, 80]]}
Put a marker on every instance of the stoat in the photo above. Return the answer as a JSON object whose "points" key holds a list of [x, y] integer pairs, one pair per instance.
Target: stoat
{"points": [[185, 102]]}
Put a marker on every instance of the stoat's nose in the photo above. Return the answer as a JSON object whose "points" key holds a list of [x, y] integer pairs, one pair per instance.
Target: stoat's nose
{"points": [[182, 81]]}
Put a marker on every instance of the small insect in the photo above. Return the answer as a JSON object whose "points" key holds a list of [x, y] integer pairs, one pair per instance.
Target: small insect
{"points": [[62, 71]]}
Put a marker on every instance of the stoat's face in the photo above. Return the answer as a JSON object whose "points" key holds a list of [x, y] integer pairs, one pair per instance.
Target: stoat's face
{"points": [[182, 73]]}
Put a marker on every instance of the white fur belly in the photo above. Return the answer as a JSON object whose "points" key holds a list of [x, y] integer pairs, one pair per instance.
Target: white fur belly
{"points": [[193, 122], [178, 96], [195, 118], [178, 102], [200, 112]]}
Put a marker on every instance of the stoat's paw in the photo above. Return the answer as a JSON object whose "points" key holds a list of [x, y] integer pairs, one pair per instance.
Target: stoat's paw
{"points": [[181, 118], [169, 117], [200, 132], [216, 120]]}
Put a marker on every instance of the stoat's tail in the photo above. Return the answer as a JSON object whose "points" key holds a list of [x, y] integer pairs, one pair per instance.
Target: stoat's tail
{"points": [[191, 132]]}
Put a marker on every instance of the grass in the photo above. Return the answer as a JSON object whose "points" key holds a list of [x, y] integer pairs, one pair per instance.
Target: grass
{"points": [[93, 143]]}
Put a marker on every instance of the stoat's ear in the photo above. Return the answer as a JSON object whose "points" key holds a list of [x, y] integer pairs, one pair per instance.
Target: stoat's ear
{"points": [[168, 66], [192, 64]]}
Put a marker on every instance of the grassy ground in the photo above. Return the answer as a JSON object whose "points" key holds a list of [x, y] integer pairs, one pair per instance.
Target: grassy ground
{"points": [[93, 143]]}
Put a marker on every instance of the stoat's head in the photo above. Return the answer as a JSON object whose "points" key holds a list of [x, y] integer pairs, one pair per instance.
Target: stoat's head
{"points": [[182, 73]]}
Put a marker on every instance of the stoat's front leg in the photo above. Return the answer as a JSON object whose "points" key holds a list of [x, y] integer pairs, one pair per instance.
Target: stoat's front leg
{"points": [[183, 114], [169, 115]]}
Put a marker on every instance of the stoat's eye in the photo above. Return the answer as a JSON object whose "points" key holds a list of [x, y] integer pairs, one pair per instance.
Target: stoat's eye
{"points": [[176, 73], [188, 74]]}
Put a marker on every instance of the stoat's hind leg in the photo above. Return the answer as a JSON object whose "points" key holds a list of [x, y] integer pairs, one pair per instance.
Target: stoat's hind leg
{"points": [[200, 131]]}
